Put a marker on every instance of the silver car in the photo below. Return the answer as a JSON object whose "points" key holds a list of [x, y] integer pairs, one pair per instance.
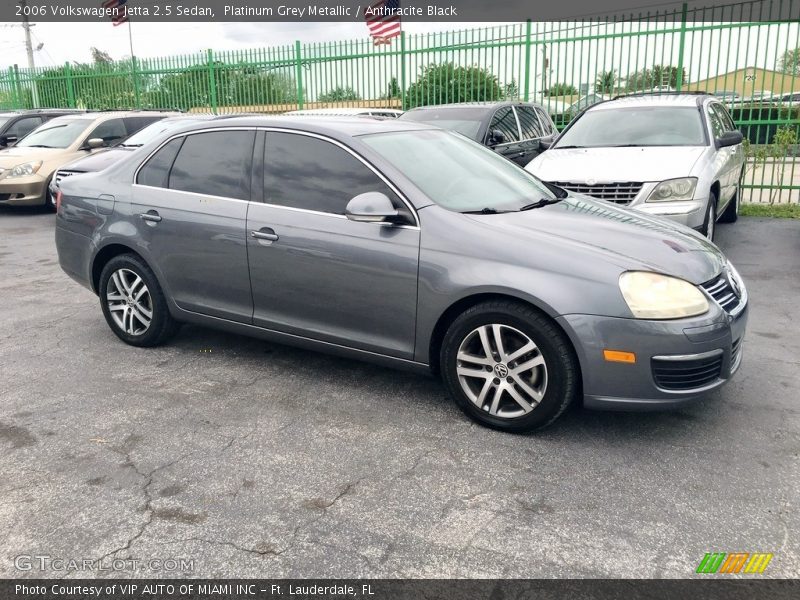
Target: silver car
{"points": [[673, 155], [412, 247]]}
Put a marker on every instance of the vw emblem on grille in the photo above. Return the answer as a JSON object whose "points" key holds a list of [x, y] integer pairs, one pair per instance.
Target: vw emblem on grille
{"points": [[734, 285], [501, 370]]}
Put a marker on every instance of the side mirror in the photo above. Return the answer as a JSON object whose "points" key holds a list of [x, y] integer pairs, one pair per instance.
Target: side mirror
{"points": [[496, 137], [729, 138], [3, 140], [94, 143], [371, 207], [545, 143]]}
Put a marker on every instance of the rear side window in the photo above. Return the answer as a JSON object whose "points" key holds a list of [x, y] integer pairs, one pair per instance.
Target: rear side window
{"points": [[547, 123], [216, 163], [155, 171], [529, 123], [313, 174], [505, 121]]}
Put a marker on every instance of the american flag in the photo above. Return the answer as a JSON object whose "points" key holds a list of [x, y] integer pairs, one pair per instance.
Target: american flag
{"points": [[121, 15], [384, 24]]}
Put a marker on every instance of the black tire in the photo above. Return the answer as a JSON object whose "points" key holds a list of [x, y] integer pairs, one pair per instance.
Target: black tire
{"points": [[562, 369], [161, 326], [49, 200], [710, 222], [731, 212]]}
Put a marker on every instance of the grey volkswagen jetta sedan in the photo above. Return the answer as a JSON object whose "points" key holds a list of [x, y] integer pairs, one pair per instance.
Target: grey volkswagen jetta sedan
{"points": [[411, 247]]}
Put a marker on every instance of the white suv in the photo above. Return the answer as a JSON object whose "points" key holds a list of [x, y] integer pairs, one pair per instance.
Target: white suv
{"points": [[674, 155]]}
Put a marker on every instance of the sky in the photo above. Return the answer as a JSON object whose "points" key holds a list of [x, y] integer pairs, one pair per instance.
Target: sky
{"points": [[72, 42]]}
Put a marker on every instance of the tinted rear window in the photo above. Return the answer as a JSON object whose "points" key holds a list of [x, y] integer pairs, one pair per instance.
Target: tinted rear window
{"points": [[156, 171]]}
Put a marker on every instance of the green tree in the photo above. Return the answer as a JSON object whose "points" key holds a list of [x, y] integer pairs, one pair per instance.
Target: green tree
{"points": [[445, 82], [339, 94], [394, 89], [562, 89], [511, 90], [659, 75], [790, 62], [606, 82]]}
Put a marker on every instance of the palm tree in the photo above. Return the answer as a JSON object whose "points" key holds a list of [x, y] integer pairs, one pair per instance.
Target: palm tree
{"points": [[606, 81]]}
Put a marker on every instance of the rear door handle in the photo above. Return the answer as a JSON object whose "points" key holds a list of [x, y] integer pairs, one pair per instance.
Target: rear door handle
{"points": [[265, 233], [151, 216]]}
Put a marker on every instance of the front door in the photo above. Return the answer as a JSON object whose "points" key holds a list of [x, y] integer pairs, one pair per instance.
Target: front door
{"points": [[505, 122], [315, 273]]}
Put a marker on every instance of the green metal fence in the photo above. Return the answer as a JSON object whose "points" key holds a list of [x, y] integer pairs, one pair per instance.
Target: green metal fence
{"points": [[733, 50]]}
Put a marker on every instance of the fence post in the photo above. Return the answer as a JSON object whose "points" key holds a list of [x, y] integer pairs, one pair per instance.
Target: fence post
{"points": [[682, 44], [402, 69], [135, 75], [527, 59], [212, 82], [70, 85], [15, 82], [298, 73]]}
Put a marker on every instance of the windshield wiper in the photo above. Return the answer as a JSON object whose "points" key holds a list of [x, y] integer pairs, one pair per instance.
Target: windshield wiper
{"points": [[484, 211], [540, 203], [36, 146], [130, 145]]}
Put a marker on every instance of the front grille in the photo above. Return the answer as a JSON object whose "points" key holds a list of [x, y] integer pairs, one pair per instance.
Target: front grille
{"points": [[620, 192], [687, 374], [721, 290], [61, 175]]}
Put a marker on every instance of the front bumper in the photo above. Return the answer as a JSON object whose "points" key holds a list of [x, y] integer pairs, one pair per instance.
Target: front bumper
{"points": [[23, 191], [691, 213], [716, 338]]}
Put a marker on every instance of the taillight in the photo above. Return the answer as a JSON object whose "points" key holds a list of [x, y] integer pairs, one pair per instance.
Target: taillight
{"points": [[58, 200]]}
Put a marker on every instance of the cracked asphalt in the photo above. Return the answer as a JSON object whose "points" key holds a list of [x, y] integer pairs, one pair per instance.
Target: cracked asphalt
{"points": [[258, 460]]}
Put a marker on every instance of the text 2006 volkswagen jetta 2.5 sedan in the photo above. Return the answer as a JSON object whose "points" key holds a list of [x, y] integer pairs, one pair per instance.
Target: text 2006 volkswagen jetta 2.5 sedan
{"points": [[412, 247]]}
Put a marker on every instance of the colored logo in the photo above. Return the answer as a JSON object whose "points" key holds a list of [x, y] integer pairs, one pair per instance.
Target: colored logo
{"points": [[734, 562]]}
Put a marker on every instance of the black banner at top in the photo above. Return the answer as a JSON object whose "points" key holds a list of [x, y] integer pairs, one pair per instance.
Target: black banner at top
{"points": [[175, 11]]}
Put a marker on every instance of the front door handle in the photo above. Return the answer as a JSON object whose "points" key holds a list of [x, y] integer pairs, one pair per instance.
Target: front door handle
{"points": [[151, 216], [265, 233]]}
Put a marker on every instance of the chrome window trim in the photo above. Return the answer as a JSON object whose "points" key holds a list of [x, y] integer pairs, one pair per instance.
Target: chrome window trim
{"points": [[344, 147]]}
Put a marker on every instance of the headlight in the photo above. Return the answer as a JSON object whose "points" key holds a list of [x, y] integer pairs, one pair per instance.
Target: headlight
{"points": [[655, 296], [674, 189], [25, 169]]}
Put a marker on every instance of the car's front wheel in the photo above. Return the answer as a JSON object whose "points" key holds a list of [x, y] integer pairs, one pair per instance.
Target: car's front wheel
{"points": [[508, 366], [133, 303]]}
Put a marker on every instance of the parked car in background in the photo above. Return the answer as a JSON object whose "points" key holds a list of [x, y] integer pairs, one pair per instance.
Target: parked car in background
{"points": [[584, 102], [26, 168], [790, 99], [674, 155], [387, 113], [104, 158], [410, 246], [516, 130], [15, 125]]}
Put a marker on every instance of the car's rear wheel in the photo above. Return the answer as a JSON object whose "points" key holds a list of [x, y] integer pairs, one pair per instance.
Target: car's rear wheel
{"points": [[731, 212], [508, 366], [133, 303], [710, 223]]}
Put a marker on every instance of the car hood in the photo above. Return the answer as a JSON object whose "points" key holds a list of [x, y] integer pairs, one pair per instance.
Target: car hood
{"points": [[604, 231], [615, 164], [11, 157], [98, 160]]}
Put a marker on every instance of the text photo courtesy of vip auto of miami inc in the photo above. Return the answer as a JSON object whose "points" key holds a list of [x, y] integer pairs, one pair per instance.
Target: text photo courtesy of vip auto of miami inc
{"points": [[399, 299]]}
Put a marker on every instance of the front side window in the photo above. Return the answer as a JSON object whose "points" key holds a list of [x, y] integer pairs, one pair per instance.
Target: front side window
{"points": [[717, 128], [529, 123], [504, 121], [216, 163], [313, 174], [638, 126], [456, 173], [110, 131]]}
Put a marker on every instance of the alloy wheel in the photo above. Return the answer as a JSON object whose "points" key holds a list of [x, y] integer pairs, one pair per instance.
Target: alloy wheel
{"points": [[501, 370], [129, 302]]}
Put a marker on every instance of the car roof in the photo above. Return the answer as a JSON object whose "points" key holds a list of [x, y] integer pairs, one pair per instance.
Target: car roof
{"points": [[331, 126], [345, 111], [653, 100], [484, 104], [102, 116]]}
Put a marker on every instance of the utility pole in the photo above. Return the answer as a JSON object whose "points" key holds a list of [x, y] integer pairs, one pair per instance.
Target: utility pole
{"points": [[29, 49]]}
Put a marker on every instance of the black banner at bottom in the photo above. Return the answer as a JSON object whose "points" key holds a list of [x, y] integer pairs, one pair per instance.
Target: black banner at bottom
{"points": [[413, 589]]}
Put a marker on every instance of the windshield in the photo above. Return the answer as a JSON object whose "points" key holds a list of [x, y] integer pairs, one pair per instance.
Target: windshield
{"points": [[640, 126], [55, 134], [459, 174], [152, 131], [4, 120], [466, 121]]}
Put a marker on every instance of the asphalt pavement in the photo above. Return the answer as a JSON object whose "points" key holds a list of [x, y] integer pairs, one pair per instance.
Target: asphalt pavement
{"points": [[222, 456]]}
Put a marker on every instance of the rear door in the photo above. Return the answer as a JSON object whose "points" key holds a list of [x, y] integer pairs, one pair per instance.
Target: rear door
{"points": [[505, 121], [314, 272], [190, 207]]}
